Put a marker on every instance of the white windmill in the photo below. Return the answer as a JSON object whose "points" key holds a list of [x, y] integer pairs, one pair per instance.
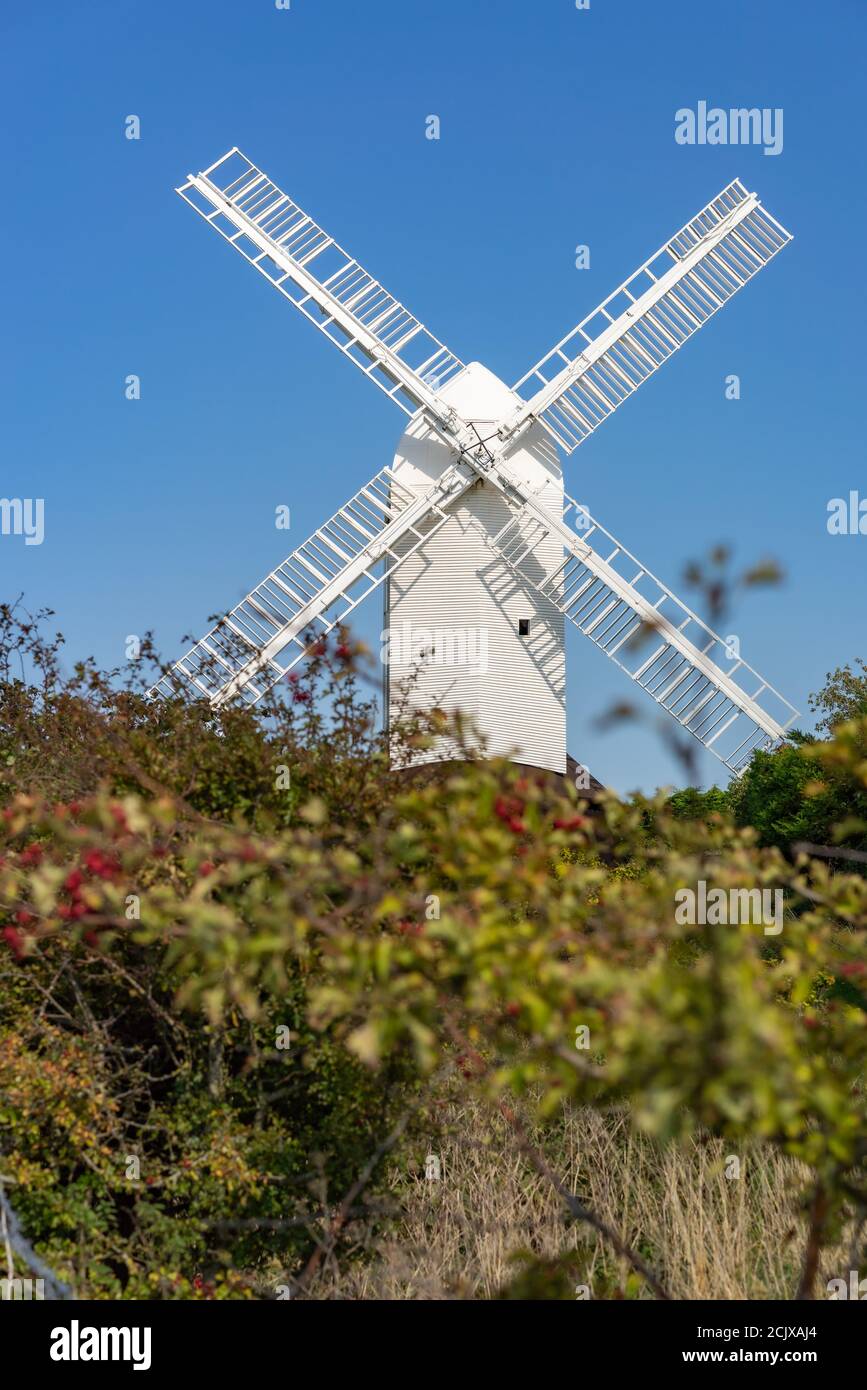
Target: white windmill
{"points": [[469, 530]]}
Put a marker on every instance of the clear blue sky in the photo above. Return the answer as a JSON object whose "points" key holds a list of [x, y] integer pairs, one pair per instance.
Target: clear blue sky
{"points": [[557, 128]]}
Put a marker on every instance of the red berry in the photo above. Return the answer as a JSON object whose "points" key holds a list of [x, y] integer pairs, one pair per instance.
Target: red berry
{"points": [[101, 865], [510, 809], [14, 939]]}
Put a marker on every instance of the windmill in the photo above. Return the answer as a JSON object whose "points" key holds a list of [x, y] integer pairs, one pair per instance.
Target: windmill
{"points": [[469, 530]]}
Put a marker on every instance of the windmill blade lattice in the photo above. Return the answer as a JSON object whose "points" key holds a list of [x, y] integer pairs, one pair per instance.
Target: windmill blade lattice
{"points": [[313, 590], [587, 577], [646, 630], [592, 371], [372, 328]]}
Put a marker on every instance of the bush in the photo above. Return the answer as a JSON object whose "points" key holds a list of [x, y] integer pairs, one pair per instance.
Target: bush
{"points": [[173, 909]]}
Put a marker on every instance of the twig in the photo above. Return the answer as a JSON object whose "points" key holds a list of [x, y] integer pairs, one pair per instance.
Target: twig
{"points": [[577, 1209], [345, 1208], [540, 1163], [343, 1211]]}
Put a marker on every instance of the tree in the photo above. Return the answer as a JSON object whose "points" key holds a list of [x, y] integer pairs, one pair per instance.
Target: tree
{"points": [[805, 791], [843, 696]]}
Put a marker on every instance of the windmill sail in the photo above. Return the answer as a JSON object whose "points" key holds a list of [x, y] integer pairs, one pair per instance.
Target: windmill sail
{"points": [[590, 372], [649, 633], [372, 328], [639, 623], [313, 590]]}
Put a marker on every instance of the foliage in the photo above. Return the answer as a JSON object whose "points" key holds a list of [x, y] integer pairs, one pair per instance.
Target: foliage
{"points": [[692, 804], [242, 1143], [809, 790], [842, 698], [169, 905]]}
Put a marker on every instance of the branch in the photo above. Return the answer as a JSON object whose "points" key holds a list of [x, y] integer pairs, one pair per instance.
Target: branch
{"points": [[858, 856], [344, 1210], [540, 1163], [577, 1209], [818, 1216], [855, 1248]]}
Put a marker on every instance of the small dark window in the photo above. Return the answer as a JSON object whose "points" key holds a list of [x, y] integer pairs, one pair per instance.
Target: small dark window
{"points": [[523, 627]]}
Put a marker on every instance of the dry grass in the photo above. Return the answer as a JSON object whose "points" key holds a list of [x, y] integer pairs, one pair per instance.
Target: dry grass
{"points": [[705, 1235]]}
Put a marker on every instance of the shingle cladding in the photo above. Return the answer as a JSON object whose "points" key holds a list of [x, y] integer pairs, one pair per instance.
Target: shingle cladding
{"points": [[460, 605]]}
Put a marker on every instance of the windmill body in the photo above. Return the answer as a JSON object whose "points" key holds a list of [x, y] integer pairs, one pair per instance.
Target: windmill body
{"points": [[463, 631], [480, 553]]}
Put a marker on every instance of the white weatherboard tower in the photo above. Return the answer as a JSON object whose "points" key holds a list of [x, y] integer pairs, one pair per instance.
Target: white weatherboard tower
{"points": [[481, 554]]}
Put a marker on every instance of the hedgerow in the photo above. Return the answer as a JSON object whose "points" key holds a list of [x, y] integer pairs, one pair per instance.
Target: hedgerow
{"points": [[239, 954]]}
